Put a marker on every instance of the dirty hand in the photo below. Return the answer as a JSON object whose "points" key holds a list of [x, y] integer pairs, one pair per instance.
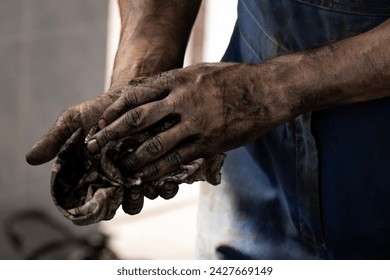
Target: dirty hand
{"points": [[221, 106], [83, 115]]}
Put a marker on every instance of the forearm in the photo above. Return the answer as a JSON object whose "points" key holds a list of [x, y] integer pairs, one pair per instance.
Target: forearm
{"points": [[352, 70], [154, 35]]}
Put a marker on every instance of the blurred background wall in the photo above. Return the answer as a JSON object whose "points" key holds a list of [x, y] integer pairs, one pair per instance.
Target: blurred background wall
{"points": [[55, 54], [52, 56]]}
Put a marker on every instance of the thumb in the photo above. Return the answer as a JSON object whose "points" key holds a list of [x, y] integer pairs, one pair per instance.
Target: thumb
{"points": [[50, 144], [83, 115]]}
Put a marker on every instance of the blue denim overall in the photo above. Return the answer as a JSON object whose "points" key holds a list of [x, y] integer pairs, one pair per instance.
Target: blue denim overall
{"points": [[317, 187]]}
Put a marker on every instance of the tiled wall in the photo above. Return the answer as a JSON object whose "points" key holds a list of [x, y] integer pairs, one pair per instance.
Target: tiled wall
{"points": [[52, 55]]}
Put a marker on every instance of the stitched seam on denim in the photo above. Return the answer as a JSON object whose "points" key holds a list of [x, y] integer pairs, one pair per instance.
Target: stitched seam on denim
{"points": [[307, 231], [262, 29], [380, 11], [248, 45], [346, 5], [301, 229]]}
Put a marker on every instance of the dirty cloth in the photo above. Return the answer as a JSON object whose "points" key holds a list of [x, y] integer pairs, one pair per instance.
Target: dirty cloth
{"points": [[88, 188], [317, 187]]}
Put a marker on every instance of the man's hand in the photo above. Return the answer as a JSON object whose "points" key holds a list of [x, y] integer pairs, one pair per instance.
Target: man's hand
{"points": [[83, 115], [225, 105], [153, 39], [221, 106]]}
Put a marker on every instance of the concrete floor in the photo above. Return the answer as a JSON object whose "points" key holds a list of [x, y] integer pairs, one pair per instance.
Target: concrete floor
{"points": [[165, 229]]}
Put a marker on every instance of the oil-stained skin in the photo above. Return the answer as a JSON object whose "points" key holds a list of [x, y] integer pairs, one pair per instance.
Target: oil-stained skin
{"points": [[153, 39], [83, 115], [226, 105], [168, 24], [221, 106]]}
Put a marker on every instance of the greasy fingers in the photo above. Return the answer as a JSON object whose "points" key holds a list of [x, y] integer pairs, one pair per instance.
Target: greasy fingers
{"points": [[134, 197], [49, 145], [151, 192], [170, 162], [155, 147], [83, 115], [133, 200], [131, 97], [169, 190], [132, 121]]}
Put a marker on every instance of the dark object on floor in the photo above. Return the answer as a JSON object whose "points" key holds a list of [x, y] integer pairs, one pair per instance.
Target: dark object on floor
{"points": [[35, 235]]}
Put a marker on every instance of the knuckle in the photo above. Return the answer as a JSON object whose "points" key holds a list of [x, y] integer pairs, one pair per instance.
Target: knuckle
{"points": [[68, 114], [113, 93], [154, 147], [174, 160], [133, 117], [189, 128], [108, 134], [114, 111], [129, 162], [135, 82], [171, 78], [197, 122], [109, 114], [130, 99], [69, 111], [153, 170], [68, 119]]}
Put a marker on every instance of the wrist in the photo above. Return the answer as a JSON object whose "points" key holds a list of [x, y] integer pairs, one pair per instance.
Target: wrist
{"points": [[154, 37], [345, 72], [303, 82], [143, 61], [283, 83]]}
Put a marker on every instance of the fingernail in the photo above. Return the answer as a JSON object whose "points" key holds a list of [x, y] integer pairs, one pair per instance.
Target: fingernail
{"points": [[93, 146], [102, 124]]}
